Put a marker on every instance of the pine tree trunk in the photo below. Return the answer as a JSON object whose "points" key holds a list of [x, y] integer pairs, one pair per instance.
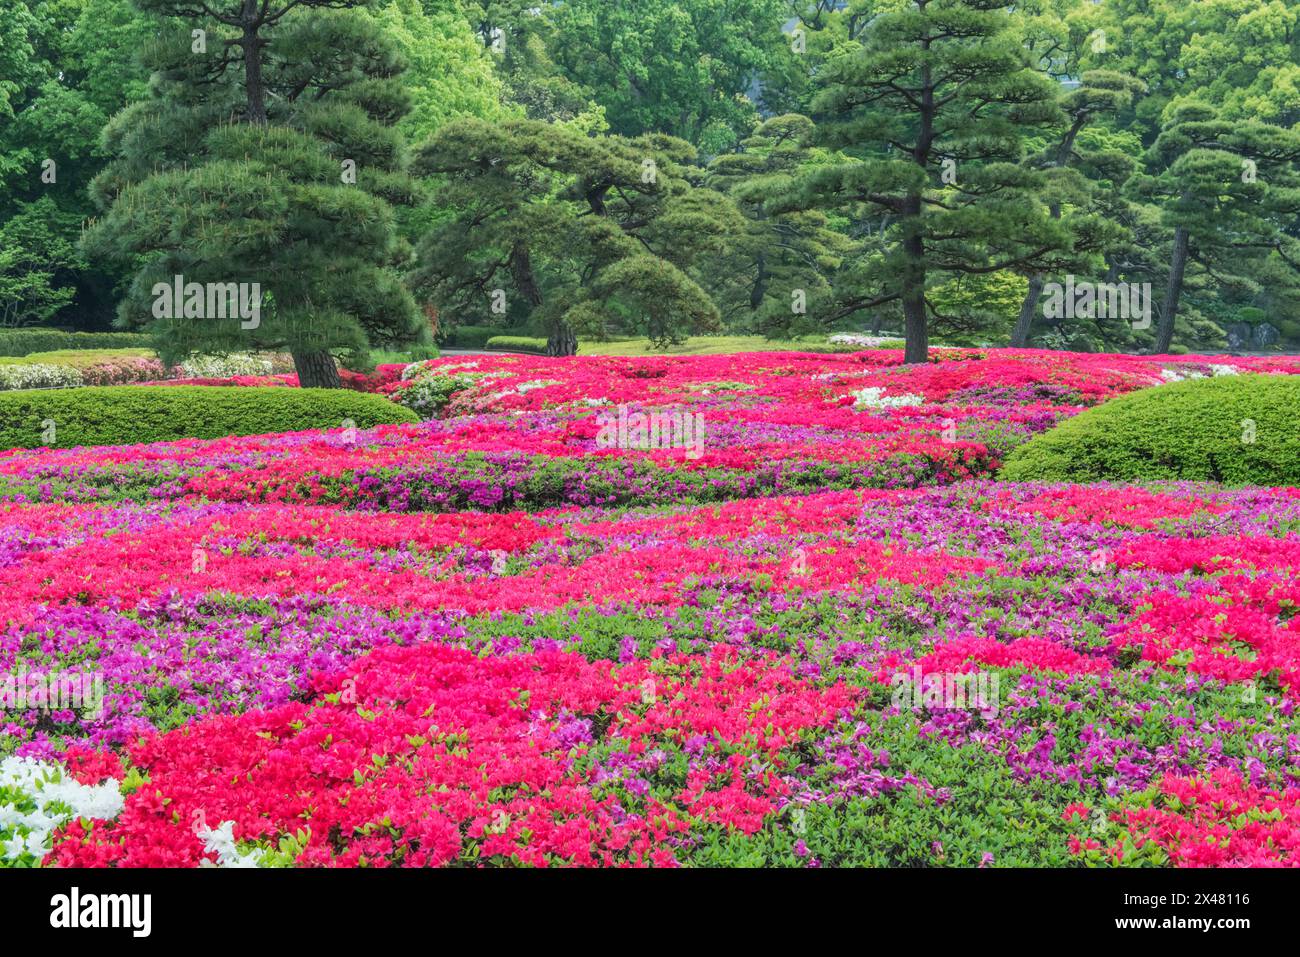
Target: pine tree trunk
{"points": [[918, 337], [251, 44], [914, 325], [759, 289], [562, 341], [521, 271], [1025, 322], [1169, 311], [316, 370]]}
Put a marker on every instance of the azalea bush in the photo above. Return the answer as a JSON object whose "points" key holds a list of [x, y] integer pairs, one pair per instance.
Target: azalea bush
{"points": [[495, 638], [67, 368], [1232, 428], [38, 375]]}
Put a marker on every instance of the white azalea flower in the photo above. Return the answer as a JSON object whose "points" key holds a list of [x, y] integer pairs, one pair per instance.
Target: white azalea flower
{"points": [[873, 397], [220, 841], [28, 820]]}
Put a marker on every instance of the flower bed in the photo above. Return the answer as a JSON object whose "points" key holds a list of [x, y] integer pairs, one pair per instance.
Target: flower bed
{"points": [[83, 367], [490, 640]]}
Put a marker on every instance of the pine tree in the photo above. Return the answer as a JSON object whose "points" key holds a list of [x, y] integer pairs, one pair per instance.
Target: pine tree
{"points": [[1228, 192], [569, 232], [1100, 93], [932, 112], [783, 265], [266, 155]]}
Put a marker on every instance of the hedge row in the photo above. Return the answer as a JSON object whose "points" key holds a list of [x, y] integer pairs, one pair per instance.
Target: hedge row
{"points": [[517, 344], [126, 415], [1237, 429], [467, 337], [23, 342]]}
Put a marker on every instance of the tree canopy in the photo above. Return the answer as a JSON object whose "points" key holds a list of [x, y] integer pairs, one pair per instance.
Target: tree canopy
{"points": [[386, 170]]}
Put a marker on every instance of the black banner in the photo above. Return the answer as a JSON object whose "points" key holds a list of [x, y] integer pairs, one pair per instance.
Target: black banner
{"points": [[543, 906]]}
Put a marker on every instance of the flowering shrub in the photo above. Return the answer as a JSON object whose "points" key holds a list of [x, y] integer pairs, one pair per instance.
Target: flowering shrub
{"points": [[120, 371], [485, 639], [36, 797], [122, 367], [39, 376], [235, 364], [1220, 820]]}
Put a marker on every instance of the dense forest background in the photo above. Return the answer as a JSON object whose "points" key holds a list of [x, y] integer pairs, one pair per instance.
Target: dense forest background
{"points": [[392, 170]]}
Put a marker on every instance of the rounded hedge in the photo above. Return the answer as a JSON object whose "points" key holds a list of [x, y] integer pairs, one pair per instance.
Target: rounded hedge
{"points": [[1236, 429], [130, 414]]}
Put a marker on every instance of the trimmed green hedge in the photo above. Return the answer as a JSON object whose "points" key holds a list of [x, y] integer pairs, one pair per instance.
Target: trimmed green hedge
{"points": [[517, 344], [468, 337], [23, 342], [1237, 429], [129, 414]]}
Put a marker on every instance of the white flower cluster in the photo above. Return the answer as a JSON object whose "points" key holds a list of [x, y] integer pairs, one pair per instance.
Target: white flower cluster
{"points": [[432, 386], [873, 397], [520, 389], [1172, 375], [38, 376], [220, 841], [426, 365], [223, 367], [856, 339], [36, 797]]}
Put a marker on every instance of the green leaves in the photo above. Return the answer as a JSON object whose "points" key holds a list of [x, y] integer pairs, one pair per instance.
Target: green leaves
{"points": [[563, 230], [298, 204], [1237, 429]]}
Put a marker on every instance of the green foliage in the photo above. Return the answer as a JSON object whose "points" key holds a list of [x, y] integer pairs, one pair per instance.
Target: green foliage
{"points": [[1240, 430], [676, 68], [76, 358], [65, 67], [931, 113], [978, 307], [516, 344], [122, 415], [701, 345], [779, 274], [404, 356], [283, 177], [1067, 122], [24, 342], [1085, 167], [38, 265], [572, 233], [446, 73], [1229, 192], [466, 337], [518, 39]]}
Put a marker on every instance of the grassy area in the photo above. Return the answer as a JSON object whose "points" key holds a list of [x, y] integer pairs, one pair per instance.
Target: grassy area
{"points": [[696, 345]]}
